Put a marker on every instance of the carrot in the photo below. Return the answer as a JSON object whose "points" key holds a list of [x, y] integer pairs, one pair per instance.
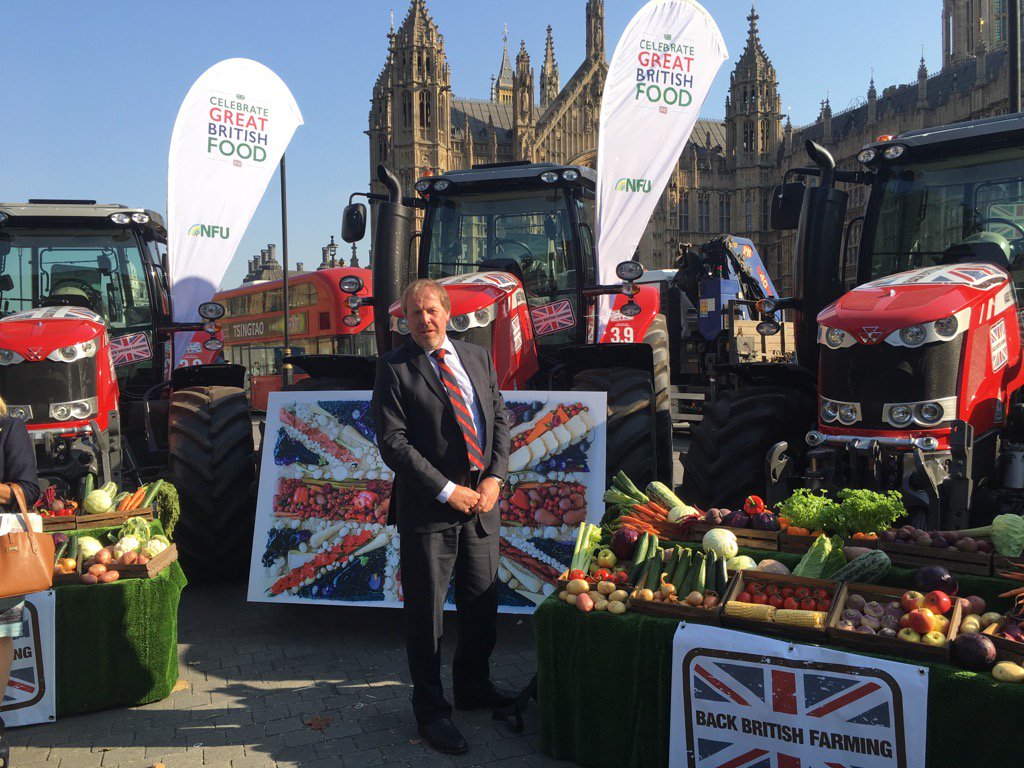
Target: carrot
{"points": [[135, 499], [637, 523], [659, 510]]}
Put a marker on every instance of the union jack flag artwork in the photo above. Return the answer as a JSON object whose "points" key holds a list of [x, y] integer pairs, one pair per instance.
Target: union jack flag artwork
{"points": [[130, 348], [752, 711], [553, 317]]}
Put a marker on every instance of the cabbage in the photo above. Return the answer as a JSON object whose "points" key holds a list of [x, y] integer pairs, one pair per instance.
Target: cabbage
{"points": [[741, 563], [88, 546], [722, 542], [97, 502], [135, 526]]}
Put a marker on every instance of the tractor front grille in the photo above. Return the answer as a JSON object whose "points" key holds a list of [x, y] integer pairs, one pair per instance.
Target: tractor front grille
{"points": [[40, 384], [879, 374]]}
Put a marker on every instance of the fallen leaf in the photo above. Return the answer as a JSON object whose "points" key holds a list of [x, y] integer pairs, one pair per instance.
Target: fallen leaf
{"points": [[181, 685], [318, 722]]}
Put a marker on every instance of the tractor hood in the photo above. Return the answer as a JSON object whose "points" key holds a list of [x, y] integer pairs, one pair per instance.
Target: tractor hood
{"points": [[874, 312], [37, 334], [469, 293]]}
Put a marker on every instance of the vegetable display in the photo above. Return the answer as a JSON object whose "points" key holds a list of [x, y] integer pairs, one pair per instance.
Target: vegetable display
{"points": [[858, 511]]}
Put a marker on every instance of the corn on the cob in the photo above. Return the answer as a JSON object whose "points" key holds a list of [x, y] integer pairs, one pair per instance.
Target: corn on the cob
{"points": [[799, 618], [750, 610]]}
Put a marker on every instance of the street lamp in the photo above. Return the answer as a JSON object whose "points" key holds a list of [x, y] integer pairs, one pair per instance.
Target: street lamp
{"points": [[332, 250], [355, 258]]}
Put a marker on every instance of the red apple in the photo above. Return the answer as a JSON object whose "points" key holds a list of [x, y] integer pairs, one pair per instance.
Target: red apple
{"points": [[922, 621], [905, 621], [937, 602], [912, 600]]}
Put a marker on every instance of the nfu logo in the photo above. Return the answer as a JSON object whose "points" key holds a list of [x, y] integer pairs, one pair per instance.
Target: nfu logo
{"points": [[633, 185], [206, 230]]}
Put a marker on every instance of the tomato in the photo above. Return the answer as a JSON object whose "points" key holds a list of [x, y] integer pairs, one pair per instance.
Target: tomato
{"points": [[807, 604], [577, 574], [790, 604], [819, 594], [801, 592], [755, 588], [771, 589], [744, 597], [759, 599], [775, 601], [602, 574], [786, 592], [823, 604]]}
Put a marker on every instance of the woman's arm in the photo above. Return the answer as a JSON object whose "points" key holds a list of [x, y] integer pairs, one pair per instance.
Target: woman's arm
{"points": [[19, 464]]}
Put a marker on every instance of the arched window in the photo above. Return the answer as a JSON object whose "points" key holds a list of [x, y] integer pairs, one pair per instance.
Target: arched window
{"points": [[724, 213], [766, 197], [748, 213], [407, 109], [703, 213], [748, 136], [684, 213]]}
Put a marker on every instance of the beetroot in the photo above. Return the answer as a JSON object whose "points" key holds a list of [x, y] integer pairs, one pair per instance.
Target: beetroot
{"points": [[974, 651], [624, 543], [934, 577]]}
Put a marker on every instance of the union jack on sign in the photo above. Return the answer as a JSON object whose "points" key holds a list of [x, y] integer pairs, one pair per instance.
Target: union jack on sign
{"points": [[553, 317], [130, 348], [753, 711]]}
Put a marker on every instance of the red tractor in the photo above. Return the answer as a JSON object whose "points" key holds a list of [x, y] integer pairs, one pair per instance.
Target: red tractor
{"points": [[918, 369], [85, 361], [513, 244]]}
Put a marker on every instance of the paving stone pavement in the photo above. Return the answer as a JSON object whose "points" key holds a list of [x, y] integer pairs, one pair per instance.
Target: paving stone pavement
{"points": [[253, 674]]}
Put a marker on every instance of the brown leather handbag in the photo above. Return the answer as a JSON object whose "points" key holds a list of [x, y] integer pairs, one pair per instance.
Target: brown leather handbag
{"points": [[26, 557]]}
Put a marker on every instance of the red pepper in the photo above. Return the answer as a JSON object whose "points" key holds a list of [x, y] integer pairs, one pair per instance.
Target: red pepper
{"points": [[365, 500], [301, 495], [753, 505]]}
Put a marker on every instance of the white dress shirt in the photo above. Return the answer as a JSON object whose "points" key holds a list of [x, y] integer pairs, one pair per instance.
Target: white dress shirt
{"points": [[452, 360]]}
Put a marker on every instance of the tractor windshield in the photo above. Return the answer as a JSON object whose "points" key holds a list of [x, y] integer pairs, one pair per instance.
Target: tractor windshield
{"points": [[525, 232], [98, 268], [924, 208]]}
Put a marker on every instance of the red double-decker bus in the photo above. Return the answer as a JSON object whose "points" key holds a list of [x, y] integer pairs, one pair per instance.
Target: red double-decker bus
{"points": [[253, 325]]}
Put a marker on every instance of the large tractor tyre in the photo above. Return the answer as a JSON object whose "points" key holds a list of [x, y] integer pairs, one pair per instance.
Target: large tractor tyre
{"points": [[657, 337], [630, 434], [725, 462], [211, 462]]}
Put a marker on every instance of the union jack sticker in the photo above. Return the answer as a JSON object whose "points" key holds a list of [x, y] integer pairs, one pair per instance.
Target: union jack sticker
{"points": [[553, 317], [130, 348]]}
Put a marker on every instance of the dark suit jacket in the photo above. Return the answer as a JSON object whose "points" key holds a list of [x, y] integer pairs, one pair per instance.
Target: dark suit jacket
{"points": [[18, 459], [420, 440]]}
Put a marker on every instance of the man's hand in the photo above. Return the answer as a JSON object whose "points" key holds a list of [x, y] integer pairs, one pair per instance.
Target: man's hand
{"points": [[463, 499], [489, 490]]}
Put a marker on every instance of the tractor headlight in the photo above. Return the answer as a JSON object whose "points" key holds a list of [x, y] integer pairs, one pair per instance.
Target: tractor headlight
{"points": [[571, 175], [913, 335], [74, 352], [900, 415], [460, 323], [140, 218], [441, 185], [930, 413], [10, 357], [75, 409], [422, 185], [549, 177], [829, 411], [835, 337], [865, 156], [213, 345], [120, 218], [947, 327], [848, 414], [893, 151]]}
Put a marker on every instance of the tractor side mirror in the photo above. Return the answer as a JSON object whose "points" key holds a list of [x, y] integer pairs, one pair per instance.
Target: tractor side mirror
{"points": [[787, 200], [6, 283], [353, 222]]}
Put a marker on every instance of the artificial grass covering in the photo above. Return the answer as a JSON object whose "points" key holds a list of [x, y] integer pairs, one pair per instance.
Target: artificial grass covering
{"points": [[117, 644], [604, 685]]}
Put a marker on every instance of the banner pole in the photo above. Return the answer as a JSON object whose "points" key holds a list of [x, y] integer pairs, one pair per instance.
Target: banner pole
{"points": [[287, 375]]}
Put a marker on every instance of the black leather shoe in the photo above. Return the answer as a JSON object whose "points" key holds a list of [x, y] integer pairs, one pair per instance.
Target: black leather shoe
{"points": [[491, 698], [443, 736], [5, 748]]}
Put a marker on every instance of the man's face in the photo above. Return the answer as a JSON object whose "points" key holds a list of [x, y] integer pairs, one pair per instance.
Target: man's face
{"points": [[427, 319]]}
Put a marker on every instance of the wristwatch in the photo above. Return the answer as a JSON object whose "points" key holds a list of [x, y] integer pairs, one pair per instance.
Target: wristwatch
{"points": [[501, 481]]}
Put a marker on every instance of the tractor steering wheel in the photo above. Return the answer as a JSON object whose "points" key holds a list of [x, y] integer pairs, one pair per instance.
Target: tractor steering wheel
{"points": [[500, 243], [1005, 222], [92, 299]]}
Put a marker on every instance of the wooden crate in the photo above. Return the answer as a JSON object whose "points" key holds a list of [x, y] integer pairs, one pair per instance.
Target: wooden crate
{"points": [[152, 567], [884, 645], [56, 524], [110, 519], [745, 537], [796, 545], [736, 586], [678, 611], [913, 556]]}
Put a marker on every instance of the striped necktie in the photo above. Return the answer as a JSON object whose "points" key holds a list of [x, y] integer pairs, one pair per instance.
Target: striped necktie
{"points": [[476, 455]]}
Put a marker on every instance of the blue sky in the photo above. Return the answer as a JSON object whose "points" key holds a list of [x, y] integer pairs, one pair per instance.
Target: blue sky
{"points": [[91, 89]]}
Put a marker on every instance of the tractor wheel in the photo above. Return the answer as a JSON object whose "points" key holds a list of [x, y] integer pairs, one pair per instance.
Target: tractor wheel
{"points": [[726, 459], [212, 464], [657, 337], [630, 434]]}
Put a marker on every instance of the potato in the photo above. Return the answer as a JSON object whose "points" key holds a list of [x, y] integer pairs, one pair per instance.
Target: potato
{"points": [[578, 586], [571, 598], [563, 594], [605, 587], [618, 596], [97, 570], [616, 607], [128, 558], [109, 576], [68, 564], [104, 556], [142, 559], [88, 578]]}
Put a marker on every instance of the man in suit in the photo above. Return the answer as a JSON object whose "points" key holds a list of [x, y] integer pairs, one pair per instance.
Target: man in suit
{"points": [[441, 426]]}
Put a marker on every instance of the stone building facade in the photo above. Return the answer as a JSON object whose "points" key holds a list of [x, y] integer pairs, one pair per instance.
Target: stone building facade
{"points": [[725, 174]]}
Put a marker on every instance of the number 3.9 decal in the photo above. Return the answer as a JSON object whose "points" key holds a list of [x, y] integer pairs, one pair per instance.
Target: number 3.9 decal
{"points": [[621, 334]]}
